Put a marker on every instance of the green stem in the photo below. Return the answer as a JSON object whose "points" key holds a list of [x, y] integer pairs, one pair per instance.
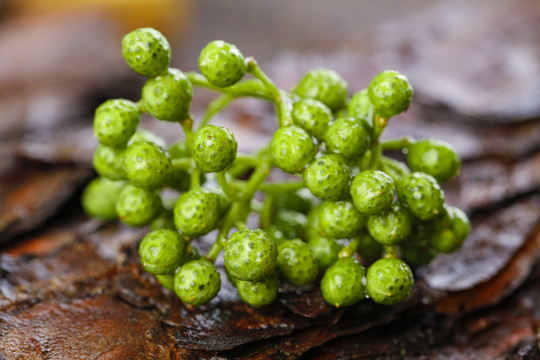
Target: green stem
{"points": [[391, 251], [195, 179], [214, 107], [280, 98], [187, 126], [222, 178], [350, 249], [379, 124], [240, 225], [182, 164], [250, 87], [275, 188], [397, 144], [241, 207], [265, 220]]}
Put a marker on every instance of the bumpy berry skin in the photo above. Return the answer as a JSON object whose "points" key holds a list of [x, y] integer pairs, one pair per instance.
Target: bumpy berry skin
{"points": [[325, 250], [197, 282], [328, 177], [422, 195], [323, 85], [292, 148], [115, 121], [347, 137], [340, 219], [109, 162], [389, 281], [250, 255], [259, 293], [100, 196], [137, 207], [162, 251], [222, 63], [148, 136], [359, 106], [297, 263], [434, 157], [291, 224], [449, 230], [168, 96], [146, 51], [390, 227], [196, 212], [344, 283], [214, 148], [390, 93], [313, 116], [372, 192], [147, 165]]}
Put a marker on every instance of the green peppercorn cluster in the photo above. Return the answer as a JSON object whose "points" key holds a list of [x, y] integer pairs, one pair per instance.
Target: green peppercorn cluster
{"points": [[345, 205]]}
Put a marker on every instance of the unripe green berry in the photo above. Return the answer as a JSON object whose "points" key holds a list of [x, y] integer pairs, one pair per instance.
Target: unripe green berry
{"points": [[325, 250], [196, 212], [416, 256], [389, 281], [214, 148], [449, 230], [222, 63], [296, 262], [434, 157], [166, 280], [390, 227], [422, 195], [328, 177], [115, 121], [292, 148], [147, 165], [137, 207], [146, 51], [344, 283], [372, 192], [109, 162], [197, 282], [259, 293], [168, 96], [313, 116], [162, 251], [323, 85], [250, 255], [368, 247], [100, 196], [390, 93], [291, 224], [359, 106], [348, 138], [340, 219], [299, 200]]}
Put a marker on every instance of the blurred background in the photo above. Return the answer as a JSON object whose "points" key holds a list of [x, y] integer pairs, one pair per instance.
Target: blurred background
{"points": [[59, 59]]}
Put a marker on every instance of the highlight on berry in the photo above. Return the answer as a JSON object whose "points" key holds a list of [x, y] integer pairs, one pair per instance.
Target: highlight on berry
{"points": [[349, 218]]}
